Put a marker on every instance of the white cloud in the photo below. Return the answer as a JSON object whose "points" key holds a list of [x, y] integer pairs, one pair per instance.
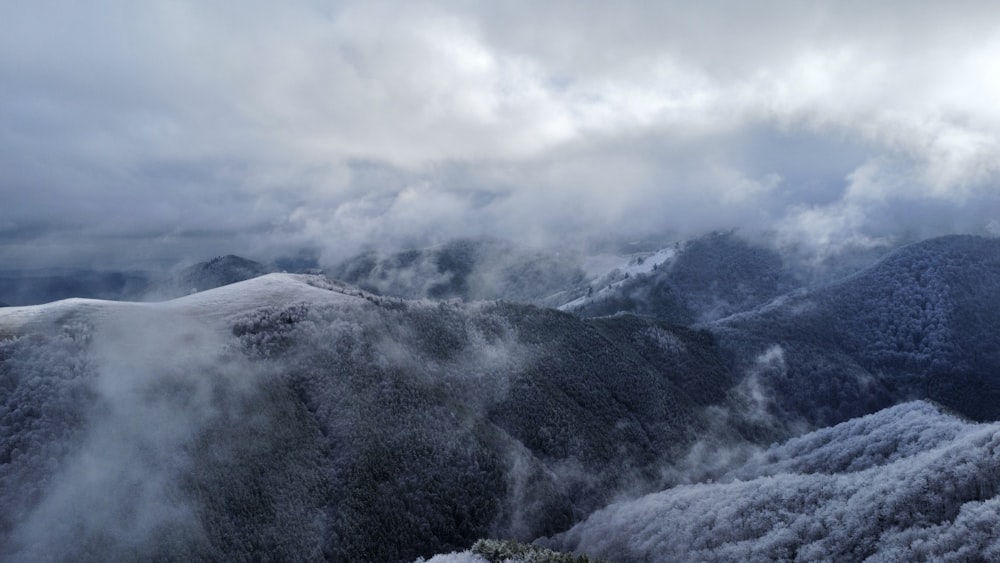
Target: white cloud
{"points": [[582, 116]]}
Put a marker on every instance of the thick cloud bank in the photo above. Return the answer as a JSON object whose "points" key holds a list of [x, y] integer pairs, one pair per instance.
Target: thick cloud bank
{"points": [[163, 130], [906, 484]]}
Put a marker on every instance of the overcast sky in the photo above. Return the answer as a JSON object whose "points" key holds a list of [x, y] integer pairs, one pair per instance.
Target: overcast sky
{"points": [[134, 132]]}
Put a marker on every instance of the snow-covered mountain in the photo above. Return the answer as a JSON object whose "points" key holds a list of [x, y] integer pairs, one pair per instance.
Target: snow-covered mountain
{"points": [[291, 416], [909, 483], [699, 280]]}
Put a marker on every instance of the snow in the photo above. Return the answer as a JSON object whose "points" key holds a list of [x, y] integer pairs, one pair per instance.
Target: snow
{"points": [[454, 557], [907, 483], [22, 319], [270, 290], [610, 271], [217, 306], [599, 265]]}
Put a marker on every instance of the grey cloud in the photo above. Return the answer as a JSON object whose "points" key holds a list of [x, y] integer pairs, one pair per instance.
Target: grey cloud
{"points": [[350, 125]]}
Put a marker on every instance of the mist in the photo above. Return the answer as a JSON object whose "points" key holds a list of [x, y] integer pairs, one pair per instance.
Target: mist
{"points": [[596, 261], [116, 478], [167, 132]]}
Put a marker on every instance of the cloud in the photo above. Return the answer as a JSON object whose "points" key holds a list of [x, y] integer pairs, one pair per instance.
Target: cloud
{"points": [[121, 487], [175, 129]]}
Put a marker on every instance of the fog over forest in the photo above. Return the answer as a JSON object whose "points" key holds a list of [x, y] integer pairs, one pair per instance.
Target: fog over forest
{"points": [[476, 281]]}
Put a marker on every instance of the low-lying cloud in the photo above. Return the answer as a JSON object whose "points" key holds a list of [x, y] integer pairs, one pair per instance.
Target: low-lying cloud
{"points": [[123, 488]]}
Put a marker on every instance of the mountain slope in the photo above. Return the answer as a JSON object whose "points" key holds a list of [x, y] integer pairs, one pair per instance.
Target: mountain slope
{"points": [[917, 324], [705, 279], [924, 486], [293, 416], [289, 414]]}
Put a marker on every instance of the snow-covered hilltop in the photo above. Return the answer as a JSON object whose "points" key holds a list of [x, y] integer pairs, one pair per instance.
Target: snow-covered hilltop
{"points": [[220, 304]]}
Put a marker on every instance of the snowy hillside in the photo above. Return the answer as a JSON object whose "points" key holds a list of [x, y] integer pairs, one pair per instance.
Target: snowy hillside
{"points": [[699, 280], [219, 305], [289, 415], [608, 273], [909, 483], [32, 287]]}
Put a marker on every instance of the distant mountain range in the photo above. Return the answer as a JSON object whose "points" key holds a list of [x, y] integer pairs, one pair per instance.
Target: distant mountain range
{"points": [[700, 279], [295, 416], [39, 286]]}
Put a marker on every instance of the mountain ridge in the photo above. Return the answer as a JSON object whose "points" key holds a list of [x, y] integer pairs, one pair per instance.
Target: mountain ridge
{"points": [[295, 414]]}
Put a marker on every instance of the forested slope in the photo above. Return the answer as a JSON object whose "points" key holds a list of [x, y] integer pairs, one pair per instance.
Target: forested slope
{"points": [[920, 323], [352, 428], [709, 278], [907, 484], [293, 416]]}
